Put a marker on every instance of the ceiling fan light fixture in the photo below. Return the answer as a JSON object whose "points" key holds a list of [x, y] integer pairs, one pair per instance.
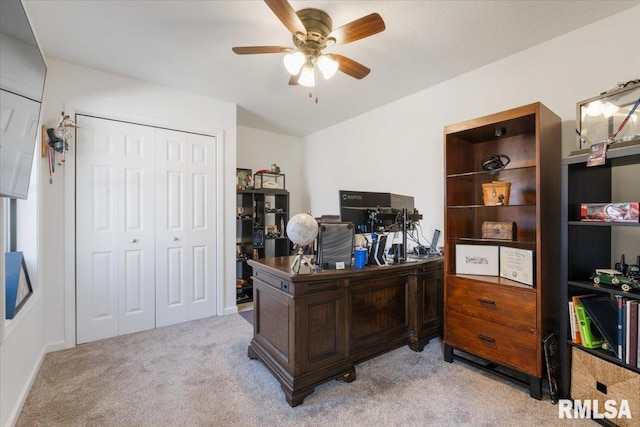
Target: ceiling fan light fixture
{"points": [[307, 76], [327, 65], [293, 61]]}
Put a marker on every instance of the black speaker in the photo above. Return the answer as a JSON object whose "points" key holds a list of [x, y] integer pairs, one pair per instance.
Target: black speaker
{"points": [[335, 244]]}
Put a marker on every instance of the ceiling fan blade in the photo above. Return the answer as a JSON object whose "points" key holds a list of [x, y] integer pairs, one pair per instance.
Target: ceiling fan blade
{"points": [[247, 50], [351, 67], [358, 29], [287, 15]]}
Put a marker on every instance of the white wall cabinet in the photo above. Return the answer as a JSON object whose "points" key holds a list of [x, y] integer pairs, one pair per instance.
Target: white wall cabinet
{"points": [[145, 227]]}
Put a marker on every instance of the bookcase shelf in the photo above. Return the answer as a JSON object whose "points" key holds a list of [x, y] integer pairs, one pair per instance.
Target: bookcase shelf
{"points": [[602, 224], [258, 211], [587, 246]]}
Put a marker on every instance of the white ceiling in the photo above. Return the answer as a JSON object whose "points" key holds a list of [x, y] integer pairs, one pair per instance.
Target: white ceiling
{"points": [[187, 45]]}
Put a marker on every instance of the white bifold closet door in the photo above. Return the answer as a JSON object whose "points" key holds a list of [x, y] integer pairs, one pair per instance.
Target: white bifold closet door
{"points": [[145, 236]]}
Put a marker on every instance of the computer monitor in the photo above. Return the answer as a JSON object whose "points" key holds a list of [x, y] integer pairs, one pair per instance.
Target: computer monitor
{"points": [[357, 207]]}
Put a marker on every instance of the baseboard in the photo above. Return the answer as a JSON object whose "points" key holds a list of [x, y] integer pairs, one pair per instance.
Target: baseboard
{"points": [[22, 397], [55, 346], [230, 310]]}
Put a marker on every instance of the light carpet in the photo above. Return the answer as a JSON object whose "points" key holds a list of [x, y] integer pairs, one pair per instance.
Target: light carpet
{"points": [[198, 374]]}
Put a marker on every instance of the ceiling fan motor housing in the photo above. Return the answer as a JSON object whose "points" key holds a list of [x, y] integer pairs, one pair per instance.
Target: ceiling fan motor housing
{"points": [[318, 24]]}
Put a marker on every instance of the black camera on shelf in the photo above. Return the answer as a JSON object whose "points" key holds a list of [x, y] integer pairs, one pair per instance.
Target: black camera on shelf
{"points": [[631, 271]]}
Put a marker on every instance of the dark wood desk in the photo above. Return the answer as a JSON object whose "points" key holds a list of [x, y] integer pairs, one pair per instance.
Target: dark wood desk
{"points": [[311, 328]]}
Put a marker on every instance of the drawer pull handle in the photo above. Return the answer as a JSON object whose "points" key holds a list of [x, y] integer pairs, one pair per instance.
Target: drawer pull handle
{"points": [[486, 301], [489, 339]]}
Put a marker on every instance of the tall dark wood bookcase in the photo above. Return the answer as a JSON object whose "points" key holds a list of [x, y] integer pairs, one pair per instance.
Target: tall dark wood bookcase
{"points": [[490, 321], [258, 212], [587, 246]]}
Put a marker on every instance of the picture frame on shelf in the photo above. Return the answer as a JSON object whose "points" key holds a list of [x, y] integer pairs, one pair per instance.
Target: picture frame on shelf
{"points": [[17, 283], [516, 264], [271, 230], [480, 260], [258, 237], [244, 179]]}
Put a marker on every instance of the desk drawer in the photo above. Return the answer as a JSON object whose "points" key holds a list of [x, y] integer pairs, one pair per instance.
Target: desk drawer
{"points": [[506, 346], [515, 307]]}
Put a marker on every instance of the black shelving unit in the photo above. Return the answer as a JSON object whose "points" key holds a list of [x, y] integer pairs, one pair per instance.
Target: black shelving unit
{"points": [[261, 218], [586, 246]]}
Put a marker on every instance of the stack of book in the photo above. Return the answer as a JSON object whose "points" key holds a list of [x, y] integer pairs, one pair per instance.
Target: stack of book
{"points": [[613, 324]]}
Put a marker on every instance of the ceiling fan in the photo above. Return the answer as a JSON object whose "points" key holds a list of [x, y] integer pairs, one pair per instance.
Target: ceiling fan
{"points": [[312, 31]]}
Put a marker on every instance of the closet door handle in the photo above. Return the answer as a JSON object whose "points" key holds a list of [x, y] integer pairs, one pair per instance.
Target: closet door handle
{"points": [[486, 301], [134, 240], [175, 239]]}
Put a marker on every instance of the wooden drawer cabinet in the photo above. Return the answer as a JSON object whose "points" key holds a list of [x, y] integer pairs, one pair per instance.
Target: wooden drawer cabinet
{"points": [[504, 345], [508, 306]]}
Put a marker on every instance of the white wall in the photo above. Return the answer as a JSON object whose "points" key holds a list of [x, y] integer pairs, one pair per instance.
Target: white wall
{"points": [[398, 148], [21, 338], [258, 149]]}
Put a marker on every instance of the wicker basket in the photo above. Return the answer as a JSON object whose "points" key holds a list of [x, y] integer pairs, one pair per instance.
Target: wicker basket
{"points": [[596, 379], [496, 193]]}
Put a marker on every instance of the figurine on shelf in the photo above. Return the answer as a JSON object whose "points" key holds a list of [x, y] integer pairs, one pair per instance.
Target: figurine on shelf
{"points": [[274, 168]]}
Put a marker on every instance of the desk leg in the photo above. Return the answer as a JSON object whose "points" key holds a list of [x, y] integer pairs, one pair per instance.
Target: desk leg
{"points": [[535, 387], [448, 353], [295, 399], [416, 344]]}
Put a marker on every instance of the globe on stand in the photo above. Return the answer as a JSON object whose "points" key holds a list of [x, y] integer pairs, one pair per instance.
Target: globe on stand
{"points": [[302, 230]]}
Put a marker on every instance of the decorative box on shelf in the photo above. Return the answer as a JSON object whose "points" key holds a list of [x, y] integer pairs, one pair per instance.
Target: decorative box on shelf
{"points": [[499, 230], [599, 117], [610, 212], [269, 180]]}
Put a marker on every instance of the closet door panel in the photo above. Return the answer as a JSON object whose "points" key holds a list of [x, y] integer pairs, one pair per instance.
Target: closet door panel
{"points": [[201, 226], [137, 224], [172, 201], [96, 233]]}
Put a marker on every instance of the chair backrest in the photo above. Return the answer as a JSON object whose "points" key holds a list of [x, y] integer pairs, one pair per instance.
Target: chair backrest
{"points": [[335, 245]]}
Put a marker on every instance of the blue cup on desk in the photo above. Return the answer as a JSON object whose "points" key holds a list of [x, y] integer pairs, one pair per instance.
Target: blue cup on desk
{"points": [[360, 257]]}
